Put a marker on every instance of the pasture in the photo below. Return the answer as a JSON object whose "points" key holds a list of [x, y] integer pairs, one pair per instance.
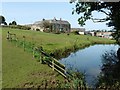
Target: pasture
{"points": [[19, 69], [51, 42]]}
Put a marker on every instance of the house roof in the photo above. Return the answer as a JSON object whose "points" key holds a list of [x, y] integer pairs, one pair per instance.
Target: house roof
{"points": [[53, 21], [59, 21]]}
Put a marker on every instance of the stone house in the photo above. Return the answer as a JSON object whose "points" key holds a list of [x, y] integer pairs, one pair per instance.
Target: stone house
{"points": [[54, 25], [104, 34], [92, 33], [36, 26]]}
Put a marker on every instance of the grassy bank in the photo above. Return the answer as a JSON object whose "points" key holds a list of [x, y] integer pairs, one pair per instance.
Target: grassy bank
{"points": [[58, 45], [19, 69]]}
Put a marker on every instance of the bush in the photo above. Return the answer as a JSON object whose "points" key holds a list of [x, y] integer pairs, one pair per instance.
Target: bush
{"points": [[20, 27], [37, 29], [75, 32]]}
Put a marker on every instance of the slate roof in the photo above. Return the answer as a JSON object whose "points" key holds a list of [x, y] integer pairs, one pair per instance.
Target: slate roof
{"points": [[53, 21], [59, 21]]}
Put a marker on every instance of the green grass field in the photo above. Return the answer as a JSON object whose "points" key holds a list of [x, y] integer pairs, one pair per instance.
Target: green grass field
{"points": [[20, 70], [50, 42]]}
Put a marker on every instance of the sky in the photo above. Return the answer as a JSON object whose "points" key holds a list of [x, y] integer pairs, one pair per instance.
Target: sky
{"points": [[30, 12]]}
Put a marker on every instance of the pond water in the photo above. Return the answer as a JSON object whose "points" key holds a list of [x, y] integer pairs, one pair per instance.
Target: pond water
{"points": [[88, 61]]}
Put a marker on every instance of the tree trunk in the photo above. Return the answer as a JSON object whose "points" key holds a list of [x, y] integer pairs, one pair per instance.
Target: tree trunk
{"points": [[118, 53]]}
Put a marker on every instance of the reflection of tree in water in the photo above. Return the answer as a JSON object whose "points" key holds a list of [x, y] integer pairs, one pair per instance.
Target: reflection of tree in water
{"points": [[110, 71]]}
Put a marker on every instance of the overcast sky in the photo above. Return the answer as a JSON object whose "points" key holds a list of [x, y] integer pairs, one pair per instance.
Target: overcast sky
{"points": [[29, 12]]}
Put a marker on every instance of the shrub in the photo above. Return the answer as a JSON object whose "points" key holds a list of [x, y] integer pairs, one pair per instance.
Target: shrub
{"points": [[75, 32], [20, 27], [37, 29]]}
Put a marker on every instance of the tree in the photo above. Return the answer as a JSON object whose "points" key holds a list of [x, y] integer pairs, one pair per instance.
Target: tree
{"points": [[2, 20], [10, 23], [111, 62], [46, 25], [14, 23], [111, 9], [110, 71], [5, 23]]}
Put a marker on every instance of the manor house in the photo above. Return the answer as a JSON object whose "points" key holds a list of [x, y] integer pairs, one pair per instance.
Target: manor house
{"points": [[52, 25]]}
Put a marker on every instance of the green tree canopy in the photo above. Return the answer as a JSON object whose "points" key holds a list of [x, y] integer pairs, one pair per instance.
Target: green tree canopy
{"points": [[13, 23], [46, 24], [111, 9], [5, 23], [2, 19], [10, 23]]}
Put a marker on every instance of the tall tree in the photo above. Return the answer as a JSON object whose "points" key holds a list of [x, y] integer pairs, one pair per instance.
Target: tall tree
{"points": [[111, 64], [109, 77], [111, 9], [46, 24], [14, 23], [2, 19], [5, 23], [10, 23]]}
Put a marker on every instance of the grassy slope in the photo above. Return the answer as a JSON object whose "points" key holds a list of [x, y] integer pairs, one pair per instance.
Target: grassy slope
{"points": [[50, 42], [20, 70], [18, 66]]}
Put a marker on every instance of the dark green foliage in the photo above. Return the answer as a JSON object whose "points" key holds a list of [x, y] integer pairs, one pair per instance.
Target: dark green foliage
{"points": [[29, 46], [111, 9], [77, 80], [76, 32], [19, 27], [110, 75], [2, 19], [10, 23], [118, 54], [58, 32], [47, 26], [5, 23], [13, 23], [37, 29]]}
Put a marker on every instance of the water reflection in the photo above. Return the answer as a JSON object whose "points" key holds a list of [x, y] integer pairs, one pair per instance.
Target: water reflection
{"points": [[110, 71], [88, 61]]}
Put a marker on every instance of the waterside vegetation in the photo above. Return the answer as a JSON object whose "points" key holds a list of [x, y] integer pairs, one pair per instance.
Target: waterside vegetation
{"points": [[31, 73], [58, 45]]}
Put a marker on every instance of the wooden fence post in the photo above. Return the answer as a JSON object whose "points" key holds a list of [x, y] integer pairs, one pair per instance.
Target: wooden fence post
{"points": [[41, 60], [10, 38], [41, 55], [8, 35], [24, 42], [33, 52], [53, 64], [16, 42]]}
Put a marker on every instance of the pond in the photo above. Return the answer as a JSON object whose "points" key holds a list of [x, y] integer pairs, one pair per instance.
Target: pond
{"points": [[88, 61]]}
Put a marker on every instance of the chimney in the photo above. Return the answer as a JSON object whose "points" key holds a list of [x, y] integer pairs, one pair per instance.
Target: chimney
{"points": [[60, 19]]}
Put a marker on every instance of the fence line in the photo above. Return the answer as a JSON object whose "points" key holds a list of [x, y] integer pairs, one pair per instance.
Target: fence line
{"points": [[38, 53]]}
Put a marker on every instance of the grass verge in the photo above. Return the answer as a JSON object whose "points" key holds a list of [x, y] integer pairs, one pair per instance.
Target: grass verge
{"points": [[19, 70]]}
